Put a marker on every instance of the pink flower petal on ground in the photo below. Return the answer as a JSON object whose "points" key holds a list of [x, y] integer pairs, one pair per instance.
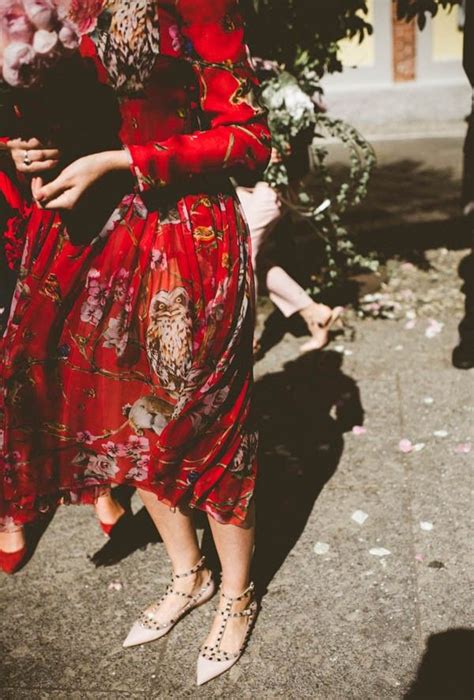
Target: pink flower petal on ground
{"points": [[434, 328], [409, 325], [114, 586], [419, 557], [405, 445], [359, 430], [463, 449]]}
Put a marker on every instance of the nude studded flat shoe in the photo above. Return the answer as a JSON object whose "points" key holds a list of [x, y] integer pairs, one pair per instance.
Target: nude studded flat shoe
{"points": [[147, 629], [213, 660]]}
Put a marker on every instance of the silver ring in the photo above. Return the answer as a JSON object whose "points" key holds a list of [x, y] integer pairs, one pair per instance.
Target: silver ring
{"points": [[27, 160]]}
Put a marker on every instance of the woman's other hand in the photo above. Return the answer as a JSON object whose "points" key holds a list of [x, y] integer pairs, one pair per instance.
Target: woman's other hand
{"points": [[65, 191], [32, 157]]}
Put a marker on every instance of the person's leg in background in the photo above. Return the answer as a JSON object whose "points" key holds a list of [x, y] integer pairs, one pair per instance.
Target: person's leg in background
{"points": [[263, 210]]}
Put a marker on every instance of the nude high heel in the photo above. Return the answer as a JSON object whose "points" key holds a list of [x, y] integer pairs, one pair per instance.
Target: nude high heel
{"points": [[213, 661], [146, 629]]}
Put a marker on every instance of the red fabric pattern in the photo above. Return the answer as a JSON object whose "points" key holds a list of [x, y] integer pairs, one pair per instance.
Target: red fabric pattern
{"points": [[16, 221]]}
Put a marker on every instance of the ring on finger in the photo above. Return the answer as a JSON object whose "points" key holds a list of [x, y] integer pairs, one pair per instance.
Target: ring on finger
{"points": [[26, 159]]}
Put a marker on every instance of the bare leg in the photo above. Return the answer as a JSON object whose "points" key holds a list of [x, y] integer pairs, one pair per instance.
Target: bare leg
{"points": [[12, 541], [179, 536], [235, 546], [108, 509]]}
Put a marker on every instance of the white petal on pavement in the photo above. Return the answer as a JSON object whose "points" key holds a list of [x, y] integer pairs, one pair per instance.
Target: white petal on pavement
{"points": [[419, 446], [321, 548], [426, 525], [441, 433], [379, 552], [359, 517]]}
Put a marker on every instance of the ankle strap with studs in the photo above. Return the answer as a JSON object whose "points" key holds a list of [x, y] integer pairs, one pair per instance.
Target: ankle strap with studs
{"points": [[197, 567], [233, 599]]}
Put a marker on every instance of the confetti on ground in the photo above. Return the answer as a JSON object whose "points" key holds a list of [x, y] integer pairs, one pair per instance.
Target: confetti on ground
{"points": [[405, 445], [434, 328], [399, 347], [428, 400], [419, 557], [359, 430], [463, 449], [411, 315], [441, 433], [115, 586], [339, 348], [409, 325], [419, 446], [359, 517], [426, 525], [321, 548], [379, 552]]}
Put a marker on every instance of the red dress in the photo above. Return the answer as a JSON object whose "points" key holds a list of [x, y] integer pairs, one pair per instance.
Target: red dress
{"points": [[129, 359]]}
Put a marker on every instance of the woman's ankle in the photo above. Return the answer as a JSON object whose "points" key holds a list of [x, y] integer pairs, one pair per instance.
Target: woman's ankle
{"points": [[108, 509], [12, 541], [235, 589]]}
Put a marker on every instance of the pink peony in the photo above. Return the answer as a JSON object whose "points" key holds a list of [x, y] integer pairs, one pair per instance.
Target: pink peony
{"points": [[44, 42], [41, 13], [69, 37], [18, 64], [14, 23]]}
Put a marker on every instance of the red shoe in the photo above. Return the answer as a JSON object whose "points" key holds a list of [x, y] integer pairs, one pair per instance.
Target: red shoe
{"points": [[12, 561], [123, 498], [108, 527]]}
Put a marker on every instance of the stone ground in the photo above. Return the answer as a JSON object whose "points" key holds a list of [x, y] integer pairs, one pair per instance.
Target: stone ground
{"points": [[351, 610]]}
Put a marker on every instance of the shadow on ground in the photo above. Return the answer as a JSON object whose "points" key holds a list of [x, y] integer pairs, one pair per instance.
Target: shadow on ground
{"points": [[410, 208], [303, 411], [446, 667]]}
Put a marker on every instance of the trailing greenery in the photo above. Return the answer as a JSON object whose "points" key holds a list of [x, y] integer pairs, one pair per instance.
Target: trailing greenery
{"points": [[291, 112]]}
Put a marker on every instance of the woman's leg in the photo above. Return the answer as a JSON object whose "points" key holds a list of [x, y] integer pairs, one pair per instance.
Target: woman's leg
{"points": [[180, 539], [235, 546], [108, 510], [286, 293], [291, 298]]}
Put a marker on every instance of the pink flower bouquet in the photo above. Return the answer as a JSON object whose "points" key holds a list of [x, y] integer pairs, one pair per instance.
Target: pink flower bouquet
{"points": [[34, 35]]}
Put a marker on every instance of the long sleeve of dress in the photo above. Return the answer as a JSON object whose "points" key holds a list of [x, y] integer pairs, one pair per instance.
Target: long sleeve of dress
{"points": [[236, 135]]}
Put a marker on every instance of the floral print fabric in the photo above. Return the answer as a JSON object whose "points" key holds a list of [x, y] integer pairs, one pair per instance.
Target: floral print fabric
{"points": [[128, 360]]}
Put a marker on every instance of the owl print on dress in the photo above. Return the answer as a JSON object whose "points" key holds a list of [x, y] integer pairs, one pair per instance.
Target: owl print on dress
{"points": [[150, 413], [169, 338], [128, 41]]}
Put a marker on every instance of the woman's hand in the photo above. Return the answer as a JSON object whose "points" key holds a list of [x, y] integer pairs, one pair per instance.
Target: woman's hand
{"points": [[67, 189], [32, 157]]}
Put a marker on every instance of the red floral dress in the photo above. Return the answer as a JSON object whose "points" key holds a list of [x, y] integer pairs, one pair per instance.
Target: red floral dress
{"points": [[129, 359]]}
